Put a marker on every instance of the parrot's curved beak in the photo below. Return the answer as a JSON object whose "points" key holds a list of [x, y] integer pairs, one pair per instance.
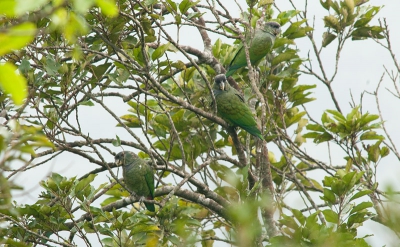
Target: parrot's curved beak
{"points": [[277, 31], [118, 162], [222, 86]]}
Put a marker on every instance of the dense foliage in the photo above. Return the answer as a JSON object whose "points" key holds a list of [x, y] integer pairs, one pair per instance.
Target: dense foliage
{"points": [[216, 185]]}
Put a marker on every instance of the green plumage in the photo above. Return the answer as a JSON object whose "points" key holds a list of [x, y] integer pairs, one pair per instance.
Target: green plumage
{"points": [[138, 176], [232, 108], [260, 44]]}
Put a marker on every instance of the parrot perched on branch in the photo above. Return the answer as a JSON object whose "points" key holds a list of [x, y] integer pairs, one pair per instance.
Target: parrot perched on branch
{"points": [[260, 44], [232, 108], [138, 176]]}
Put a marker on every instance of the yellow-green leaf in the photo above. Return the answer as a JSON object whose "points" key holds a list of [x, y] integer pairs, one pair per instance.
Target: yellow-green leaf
{"points": [[82, 6], [7, 8], [327, 38], [76, 26], [265, 2], [13, 83], [331, 216], [160, 51], [108, 7], [17, 37], [23, 6]]}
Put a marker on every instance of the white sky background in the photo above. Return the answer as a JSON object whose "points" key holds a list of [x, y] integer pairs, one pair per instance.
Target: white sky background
{"points": [[360, 69]]}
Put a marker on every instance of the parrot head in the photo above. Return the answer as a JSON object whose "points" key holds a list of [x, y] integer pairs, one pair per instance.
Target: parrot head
{"points": [[220, 82], [272, 27], [124, 158]]}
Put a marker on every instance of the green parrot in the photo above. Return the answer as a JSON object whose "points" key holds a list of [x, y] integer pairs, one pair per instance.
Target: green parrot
{"points": [[259, 46], [232, 108], [138, 176]]}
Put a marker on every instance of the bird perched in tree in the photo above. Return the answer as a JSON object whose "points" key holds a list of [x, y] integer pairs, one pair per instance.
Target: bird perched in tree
{"points": [[232, 108], [260, 44], [138, 176]]}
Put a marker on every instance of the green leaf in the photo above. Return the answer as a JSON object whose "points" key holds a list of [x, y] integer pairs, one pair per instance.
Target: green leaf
{"points": [[385, 151], [315, 127], [357, 218], [174, 240], [283, 41], [24, 6], [17, 37], [162, 120], [294, 27], [286, 56], [7, 8], [25, 66], [371, 135], [84, 183], [294, 119], [13, 83], [360, 194], [160, 51], [10, 242], [332, 22], [327, 38], [51, 65], [132, 120], [329, 196], [302, 101], [228, 192], [288, 221], [337, 115], [367, 17], [116, 142], [335, 6], [368, 32], [362, 22], [171, 5], [285, 16], [108, 7], [311, 220], [76, 26], [367, 118], [87, 103], [311, 135], [339, 188], [299, 216], [301, 32], [324, 137], [100, 70], [349, 179], [265, 2], [331, 216], [179, 120], [194, 15], [159, 17], [373, 153], [82, 6], [184, 6], [325, 4]]}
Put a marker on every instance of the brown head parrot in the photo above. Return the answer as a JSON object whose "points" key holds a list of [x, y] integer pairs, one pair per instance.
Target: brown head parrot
{"points": [[260, 44], [138, 176], [232, 108]]}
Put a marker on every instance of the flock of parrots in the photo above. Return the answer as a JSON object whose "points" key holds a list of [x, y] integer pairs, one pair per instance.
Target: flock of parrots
{"points": [[138, 174]]}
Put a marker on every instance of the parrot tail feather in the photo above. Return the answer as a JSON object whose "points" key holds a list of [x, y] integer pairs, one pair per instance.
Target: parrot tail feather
{"points": [[255, 132], [150, 206]]}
